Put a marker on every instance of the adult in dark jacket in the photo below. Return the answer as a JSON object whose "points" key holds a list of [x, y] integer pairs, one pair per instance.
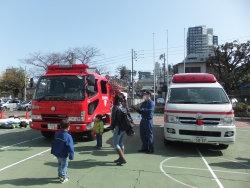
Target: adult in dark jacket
{"points": [[146, 125], [118, 136]]}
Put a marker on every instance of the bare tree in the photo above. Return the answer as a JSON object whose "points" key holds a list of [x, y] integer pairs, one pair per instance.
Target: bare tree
{"points": [[103, 70], [40, 61], [84, 54]]}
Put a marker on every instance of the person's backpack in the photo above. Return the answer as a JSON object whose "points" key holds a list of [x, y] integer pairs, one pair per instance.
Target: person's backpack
{"points": [[126, 123]]}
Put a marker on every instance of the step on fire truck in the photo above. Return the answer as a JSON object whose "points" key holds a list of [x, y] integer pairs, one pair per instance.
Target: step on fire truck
{"points": [[73, 92]]}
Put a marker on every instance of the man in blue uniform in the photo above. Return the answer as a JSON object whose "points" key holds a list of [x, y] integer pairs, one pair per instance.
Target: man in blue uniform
{"points": [[147, 112]]}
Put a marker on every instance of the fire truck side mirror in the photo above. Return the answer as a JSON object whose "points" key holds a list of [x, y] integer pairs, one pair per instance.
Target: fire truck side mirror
{"points": [[90, 89], [91, 79]]}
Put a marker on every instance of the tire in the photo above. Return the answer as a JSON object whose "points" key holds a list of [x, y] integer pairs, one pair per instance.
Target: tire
{"points": [[223, 146], [47, 134], [91, 136], [167, 142], [5, 108]]}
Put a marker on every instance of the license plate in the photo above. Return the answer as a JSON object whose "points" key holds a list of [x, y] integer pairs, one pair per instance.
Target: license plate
{"points": [[52, 126], [200, 139]]}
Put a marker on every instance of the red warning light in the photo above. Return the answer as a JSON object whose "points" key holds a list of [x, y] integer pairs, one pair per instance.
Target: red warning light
{"points": [[194, 78], [75, 66]]}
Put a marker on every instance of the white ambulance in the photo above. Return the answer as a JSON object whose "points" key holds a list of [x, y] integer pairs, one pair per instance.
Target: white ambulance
{"points": [[198, 110]]}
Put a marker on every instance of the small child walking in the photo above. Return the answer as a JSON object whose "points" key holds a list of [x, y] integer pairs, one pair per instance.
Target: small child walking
{"points": [[62, 148], [98, 129]]}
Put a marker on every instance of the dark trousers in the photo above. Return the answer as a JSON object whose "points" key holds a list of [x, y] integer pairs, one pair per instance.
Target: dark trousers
{"points": [[146, 134], [99, 140]]}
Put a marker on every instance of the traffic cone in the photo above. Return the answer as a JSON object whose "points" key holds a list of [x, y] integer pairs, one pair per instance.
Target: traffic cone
{"points": [[27, 114]]}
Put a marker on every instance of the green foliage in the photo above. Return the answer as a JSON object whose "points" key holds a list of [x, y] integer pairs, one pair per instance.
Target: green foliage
{"points": [[13, 80], [231, 63], [123, 72], [241, 107]]}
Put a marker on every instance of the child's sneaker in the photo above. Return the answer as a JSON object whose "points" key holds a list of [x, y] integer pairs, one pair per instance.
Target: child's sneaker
{"points": [[99, 148], [64, 180], [96, 147]]}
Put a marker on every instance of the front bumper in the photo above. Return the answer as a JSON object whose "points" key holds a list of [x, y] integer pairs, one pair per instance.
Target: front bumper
{"points": [[189, 133], [43, 126]]}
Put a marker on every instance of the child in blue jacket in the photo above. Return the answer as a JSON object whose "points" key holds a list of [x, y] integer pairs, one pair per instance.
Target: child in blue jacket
{"points": [[62, 148]]}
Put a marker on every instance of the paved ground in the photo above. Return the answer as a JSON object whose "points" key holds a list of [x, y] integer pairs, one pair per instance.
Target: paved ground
{"points": [[26, 162]]}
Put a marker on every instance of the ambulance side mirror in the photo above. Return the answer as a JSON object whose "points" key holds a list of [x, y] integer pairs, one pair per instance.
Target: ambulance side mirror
{"points": [[91, 79], [90, 89]]}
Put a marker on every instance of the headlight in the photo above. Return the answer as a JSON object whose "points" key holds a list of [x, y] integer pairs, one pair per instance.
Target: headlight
{"points": [[83, 115], [172, 119], [227, 120], [75, 119], [38, 117]]}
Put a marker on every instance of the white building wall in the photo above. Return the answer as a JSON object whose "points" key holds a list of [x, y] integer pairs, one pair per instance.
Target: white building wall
{"points": [[201, 65]]}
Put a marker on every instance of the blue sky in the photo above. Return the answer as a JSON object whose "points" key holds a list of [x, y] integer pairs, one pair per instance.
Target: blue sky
{"points": [[114, 27]]}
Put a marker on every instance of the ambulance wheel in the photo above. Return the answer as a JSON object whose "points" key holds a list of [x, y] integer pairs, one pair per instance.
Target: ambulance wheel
{"points": [[167, 142], [91, 135], [223, 146], [47, 134]]}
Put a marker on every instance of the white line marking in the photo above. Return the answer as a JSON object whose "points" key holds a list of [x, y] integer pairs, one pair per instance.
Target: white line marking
{"points": [[23, 160], [161, 167], [20, 143], [187, 168], [210, 169]]}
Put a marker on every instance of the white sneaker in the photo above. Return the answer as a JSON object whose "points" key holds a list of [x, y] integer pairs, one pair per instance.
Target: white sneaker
{"points": [[64, 180]]}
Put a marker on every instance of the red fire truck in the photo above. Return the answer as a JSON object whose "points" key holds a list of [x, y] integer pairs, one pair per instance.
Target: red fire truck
{"points": [[73, 92]]}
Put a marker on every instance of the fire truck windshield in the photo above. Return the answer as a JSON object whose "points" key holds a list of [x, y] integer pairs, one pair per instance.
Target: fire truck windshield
{"points": [[197, 95], [60, 88]]}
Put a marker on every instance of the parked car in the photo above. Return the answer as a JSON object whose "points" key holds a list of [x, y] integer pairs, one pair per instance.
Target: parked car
{"points": [[9, 103], [160, 100], [26, 105]]}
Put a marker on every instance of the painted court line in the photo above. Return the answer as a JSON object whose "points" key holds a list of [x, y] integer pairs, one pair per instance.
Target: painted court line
{"points": [[20, 143], [23, 160], [163, 171], [187, 168], [210, 169]]}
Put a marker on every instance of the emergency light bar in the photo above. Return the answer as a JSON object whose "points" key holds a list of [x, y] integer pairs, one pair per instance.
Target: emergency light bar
{"points": [[194, 78], [75, 66]]}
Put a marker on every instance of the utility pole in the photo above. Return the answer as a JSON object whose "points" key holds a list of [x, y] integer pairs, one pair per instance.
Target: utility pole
{"points": [[154, 62], [25, 84], [184, 52], [167, 63], [132, 77], [164, 68]]}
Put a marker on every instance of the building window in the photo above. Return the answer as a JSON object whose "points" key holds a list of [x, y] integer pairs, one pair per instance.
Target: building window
{"points": [[192, 70]]}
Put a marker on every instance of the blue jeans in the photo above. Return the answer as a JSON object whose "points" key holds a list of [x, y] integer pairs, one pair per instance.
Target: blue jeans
{"points": [[118, 139], [62, 167], [146, 134], [99, 140]]}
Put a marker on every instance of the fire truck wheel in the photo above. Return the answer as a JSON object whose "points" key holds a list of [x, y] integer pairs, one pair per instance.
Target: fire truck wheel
{"points": [[91, 135], [223, 146], [48, 134], [167, 142]]}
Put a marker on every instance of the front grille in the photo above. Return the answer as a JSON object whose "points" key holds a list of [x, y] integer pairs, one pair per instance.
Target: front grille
{"points": [[206, 121], [53, 118], [188, 120], [211, 121], [200, 133]]}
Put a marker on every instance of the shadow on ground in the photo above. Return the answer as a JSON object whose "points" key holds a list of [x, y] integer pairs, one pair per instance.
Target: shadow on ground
{"points": [[29, 181]]}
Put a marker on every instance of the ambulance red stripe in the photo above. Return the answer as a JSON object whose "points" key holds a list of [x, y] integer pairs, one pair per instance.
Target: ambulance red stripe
{"points": [[195, 112]]}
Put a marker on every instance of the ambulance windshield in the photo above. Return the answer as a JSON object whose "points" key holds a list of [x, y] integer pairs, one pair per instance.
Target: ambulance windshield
{"points": [[60, 88], [197, 96]]}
